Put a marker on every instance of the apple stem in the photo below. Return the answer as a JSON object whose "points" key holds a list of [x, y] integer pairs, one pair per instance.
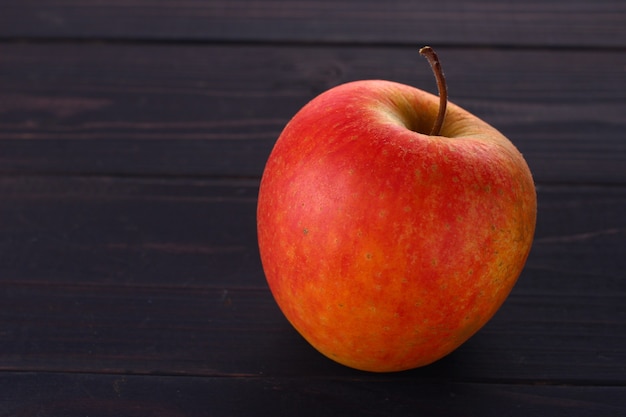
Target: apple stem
{"points": [[430, 54]]}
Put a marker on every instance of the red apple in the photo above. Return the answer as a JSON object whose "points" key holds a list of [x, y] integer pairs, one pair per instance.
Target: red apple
{"points": [[384, 246]]}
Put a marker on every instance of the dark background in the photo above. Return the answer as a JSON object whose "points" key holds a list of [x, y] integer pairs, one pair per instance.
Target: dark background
{"points": [[133, 135]]}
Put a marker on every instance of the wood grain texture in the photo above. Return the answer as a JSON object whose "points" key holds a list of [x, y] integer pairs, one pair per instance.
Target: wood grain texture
{"points": [[128, 232], [125, 396], [234, 332], [178, 232], [476, 22], [143, 276], [197, 111], [133, 134]]}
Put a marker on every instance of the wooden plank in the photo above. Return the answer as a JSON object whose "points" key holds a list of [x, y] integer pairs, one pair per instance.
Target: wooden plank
{"points": [[581, 234], [163, 276], [180, 232], [549, 339], [121, 395], [129, 232], [476, 22], [197, 110]]}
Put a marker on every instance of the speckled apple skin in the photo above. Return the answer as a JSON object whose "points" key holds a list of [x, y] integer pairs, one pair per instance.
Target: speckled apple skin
{"points": [[384, 247]]}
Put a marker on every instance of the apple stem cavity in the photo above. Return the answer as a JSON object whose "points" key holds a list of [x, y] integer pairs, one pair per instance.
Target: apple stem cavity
{"points": [[430, 54]]}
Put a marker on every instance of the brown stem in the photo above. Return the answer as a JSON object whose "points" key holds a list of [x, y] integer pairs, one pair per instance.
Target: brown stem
{"points": [[433, 60]]}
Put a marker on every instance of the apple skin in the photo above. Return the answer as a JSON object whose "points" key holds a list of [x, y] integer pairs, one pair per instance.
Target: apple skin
{"points": [[384, 247]]}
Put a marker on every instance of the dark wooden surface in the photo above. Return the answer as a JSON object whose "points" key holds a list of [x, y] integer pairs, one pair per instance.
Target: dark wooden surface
{"points": [[133, 135]]}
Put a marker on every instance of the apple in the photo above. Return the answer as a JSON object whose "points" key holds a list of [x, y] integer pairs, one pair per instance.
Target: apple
{"points": [[385, 244]]}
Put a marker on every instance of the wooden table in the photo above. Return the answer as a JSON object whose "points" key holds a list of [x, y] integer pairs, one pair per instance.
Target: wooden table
{"points": [[133, 135]]}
